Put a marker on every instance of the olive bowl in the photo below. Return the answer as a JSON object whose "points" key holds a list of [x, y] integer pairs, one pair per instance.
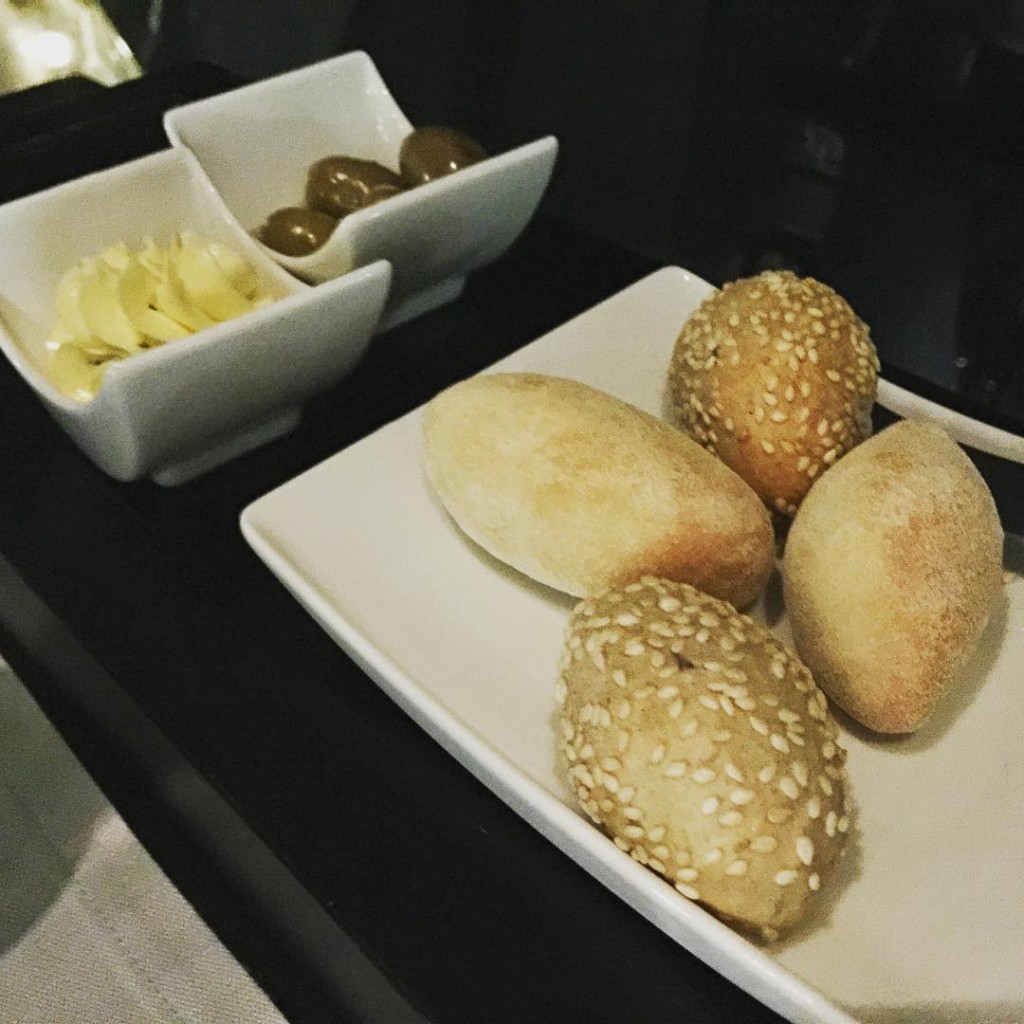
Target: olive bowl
{"points": [[256, 143], [174, 411]]}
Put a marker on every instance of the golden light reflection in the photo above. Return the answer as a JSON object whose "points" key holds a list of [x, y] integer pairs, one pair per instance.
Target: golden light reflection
{"points": [[41, 40]]}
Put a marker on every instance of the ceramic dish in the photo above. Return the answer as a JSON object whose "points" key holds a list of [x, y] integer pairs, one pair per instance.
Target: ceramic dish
{"points": [[180, 409], [923, 923], [256, 143]]}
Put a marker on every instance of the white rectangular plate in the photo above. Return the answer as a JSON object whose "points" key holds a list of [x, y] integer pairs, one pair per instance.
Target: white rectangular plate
{"points": [[927, 920]]}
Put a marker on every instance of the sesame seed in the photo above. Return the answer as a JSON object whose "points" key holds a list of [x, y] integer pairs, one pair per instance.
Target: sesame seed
{"points": [[610, 782], [814, 808], [779, 742], [667, 692], [843, 823], [626, 619], [687, 874], [814, 882], [768, 447], [669, 604], [737, 868], [799, 770], [688, 891], [712, 856], [789, 788], [709, 805], [778, 669], [766, 774], [658, 754], [825, 785], [777, 815], [805, 850], [656, 834], [676, 709], [619, 676], [709, 702], [786, 877], [758, 725], [626, 794], [633, 649], [733, 772], [730, 819], [831, 821], [740, 797], [632, 813], [675, 770], [764, 844], [702, 775]]}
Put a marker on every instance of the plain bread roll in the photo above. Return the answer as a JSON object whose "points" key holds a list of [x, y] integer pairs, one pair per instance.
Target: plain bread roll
{"points": [[892, 567], [580, 490]]}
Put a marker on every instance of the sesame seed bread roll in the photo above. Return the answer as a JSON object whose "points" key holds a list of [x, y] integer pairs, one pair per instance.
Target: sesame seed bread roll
{"points": [[581, 491], [776, 375], [701, 744], [891, 569]]}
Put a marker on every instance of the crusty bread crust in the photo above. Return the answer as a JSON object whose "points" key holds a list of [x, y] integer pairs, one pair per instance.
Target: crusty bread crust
{"points": [[704, 748], [776, 375], [581, 491], [892, 567]]}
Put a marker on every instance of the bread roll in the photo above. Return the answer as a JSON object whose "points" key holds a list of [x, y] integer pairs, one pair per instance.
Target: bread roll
{"points": [[704, 748], [892, 566], [580, 491], [776, 375]]}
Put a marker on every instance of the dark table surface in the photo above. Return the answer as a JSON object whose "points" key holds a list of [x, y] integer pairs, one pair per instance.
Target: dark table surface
{"points": [[352, 866]]}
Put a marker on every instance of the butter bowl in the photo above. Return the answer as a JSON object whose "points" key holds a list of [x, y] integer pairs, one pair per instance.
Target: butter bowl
{"points": [[255, 145], [181, 408]]}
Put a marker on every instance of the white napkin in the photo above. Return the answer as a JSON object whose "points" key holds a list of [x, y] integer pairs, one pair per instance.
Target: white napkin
{"points": [[91, 930]]}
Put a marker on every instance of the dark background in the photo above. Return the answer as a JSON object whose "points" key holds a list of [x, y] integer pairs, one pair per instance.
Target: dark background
{"points": [[876, 145]]}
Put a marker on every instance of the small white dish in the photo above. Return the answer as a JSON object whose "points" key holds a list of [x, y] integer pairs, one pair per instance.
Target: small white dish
{"points": [[178, 410], [256, 143], [924, 921]]}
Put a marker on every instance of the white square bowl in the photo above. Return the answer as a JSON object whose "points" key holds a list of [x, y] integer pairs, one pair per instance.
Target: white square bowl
{"points": [[255, 145], [178, 410]]}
